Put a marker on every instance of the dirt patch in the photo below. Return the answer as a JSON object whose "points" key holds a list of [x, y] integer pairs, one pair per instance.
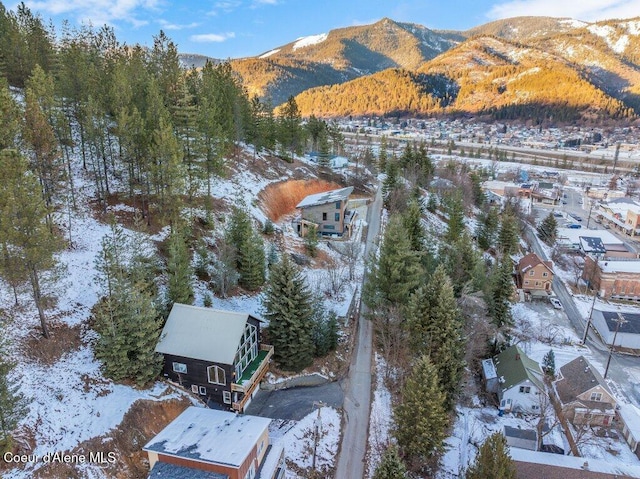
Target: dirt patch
{"points": [[279, 199], [63, 338], [142, 422]]}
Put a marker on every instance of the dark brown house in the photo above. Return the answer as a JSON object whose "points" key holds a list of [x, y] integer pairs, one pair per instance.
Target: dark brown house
{"points": [[216, 354]]}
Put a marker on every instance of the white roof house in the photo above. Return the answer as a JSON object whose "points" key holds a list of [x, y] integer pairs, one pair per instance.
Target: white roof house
{"points": [[341, 194], [202, 333]]}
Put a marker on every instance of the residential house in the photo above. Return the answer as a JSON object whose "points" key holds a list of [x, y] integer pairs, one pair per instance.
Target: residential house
{"points": [[621, 326], [584, 396], [616, 279], [204, 443], [629, 416], [520, 381], [534, 275], [327, 212], [521, 438], [216, 354]]}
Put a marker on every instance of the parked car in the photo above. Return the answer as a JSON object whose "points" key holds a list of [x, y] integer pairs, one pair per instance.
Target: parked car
{"points": [[557, 214], [574, 226], [555, 302], [564, 202]]}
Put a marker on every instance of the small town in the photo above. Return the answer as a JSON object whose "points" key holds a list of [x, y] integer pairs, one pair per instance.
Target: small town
{"points": [[393, 250]]}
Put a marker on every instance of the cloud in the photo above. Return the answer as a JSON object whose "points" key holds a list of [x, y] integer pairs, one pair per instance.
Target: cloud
{"points": [[99, 12], [212, 37], [588, 10], [176, 26]]}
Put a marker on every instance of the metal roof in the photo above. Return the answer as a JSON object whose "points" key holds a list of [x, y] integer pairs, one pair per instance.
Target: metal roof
{"points": [[326, 197], [632, 324], [592, 244], [202, 333], [514, 367], [207, 435]]}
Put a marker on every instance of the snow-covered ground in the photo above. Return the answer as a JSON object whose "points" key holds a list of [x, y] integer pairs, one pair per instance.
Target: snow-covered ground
{"points": [[380, 421]]}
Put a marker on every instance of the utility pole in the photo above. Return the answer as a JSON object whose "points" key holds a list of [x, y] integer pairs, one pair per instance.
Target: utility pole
{"points": [[619, 321], [595, 295], [615, 157], [316, 431], [593, 203]]}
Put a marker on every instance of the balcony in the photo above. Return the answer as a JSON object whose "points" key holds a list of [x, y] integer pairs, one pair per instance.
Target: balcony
{"points": [[252, 375]]}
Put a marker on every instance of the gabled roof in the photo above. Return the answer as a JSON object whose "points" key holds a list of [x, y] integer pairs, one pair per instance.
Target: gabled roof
{"points": [[578, 377], [531, 260], [202, 333], [208, 435], [514, 367], [326, 197]]}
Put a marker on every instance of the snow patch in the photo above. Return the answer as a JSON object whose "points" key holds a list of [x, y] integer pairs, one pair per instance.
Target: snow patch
{"points": [[570, 22], [269, 53], [310, 40], [632, 27]]}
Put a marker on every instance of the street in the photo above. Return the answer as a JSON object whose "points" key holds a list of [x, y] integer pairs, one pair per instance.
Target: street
{"points": [[358, 384]]}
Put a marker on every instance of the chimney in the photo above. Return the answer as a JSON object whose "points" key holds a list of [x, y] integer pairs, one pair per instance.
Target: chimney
{"points": [[517, 356]]}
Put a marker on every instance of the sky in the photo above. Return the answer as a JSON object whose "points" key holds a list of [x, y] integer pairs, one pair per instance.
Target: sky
{"points": [[239, 28]]}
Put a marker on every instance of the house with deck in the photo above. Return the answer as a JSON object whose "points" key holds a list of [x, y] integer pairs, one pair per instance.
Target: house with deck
{"points": [[327, 212], [519, 381], [584, 396], [205, 443], [215, 354]]}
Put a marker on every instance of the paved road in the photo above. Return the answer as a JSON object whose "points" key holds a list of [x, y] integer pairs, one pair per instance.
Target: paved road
{"points": [[357, 399], [295, 403]]}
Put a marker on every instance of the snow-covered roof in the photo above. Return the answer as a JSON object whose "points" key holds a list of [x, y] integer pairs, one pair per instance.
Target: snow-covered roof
{"points": [[202, 333], [489, 369], [210, 435], [573, 235], [630, 415], [341, 194], [571, 462], [619, 266]]}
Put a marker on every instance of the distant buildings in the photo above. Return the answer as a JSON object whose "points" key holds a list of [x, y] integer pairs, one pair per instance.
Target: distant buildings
{"points": [[613, 279]]}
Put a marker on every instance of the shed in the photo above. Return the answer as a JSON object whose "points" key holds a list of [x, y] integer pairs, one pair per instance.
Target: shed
{"points": [[629, 416], [490, 375], [521, 438]]}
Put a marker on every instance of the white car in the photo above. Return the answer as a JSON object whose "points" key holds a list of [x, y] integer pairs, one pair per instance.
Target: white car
{"points": [[555, 302]]}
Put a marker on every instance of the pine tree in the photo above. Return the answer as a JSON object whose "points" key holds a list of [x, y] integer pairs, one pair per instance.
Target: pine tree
{"points": [[549, 364], [238, 230], [24, 233], [391, 465], [311, 241], [548, 229], [421, 419], [13, 405], [325, 328], [251, 261], [462, 262], [9, 117], [398, 271], [391, 180], [436, 329], [493, 460], [488, 229], [500, 292], [432, 203], [179, 270], [288, 307], [508, 236], [412, 222], [455, 226]]}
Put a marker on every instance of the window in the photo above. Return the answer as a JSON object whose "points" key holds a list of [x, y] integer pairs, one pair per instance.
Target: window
{"points": [[216, 375], [180, 368], [545, 274], [531, 273], [337, 205], [226, 397], [260, 447], [203, 390], [251, 473], [329, 227], [526, 281], [534, 407], [337, 217], [525, 389], [324, 216], [194, 388], [596, 396]]}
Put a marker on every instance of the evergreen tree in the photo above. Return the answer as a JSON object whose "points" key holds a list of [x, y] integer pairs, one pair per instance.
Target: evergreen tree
{"points": [[455, 226], [412, 222], [509, 234], [493, 460], [398, 271], [179, 270], [391, 465], [311, 241], [488, 229], [28, 241], [432, 203], [383, 155], [325, 328], [13, 405], [421, 420], [549, 364], [548, 229], [290, 131], [500, 292], [391, 179], [9, 117], [251, 261], [288, 307], [436, 329], [462, 263]]}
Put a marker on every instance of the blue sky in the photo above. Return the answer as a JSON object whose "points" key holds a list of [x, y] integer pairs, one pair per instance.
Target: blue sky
{"points": [[238, 28]]}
